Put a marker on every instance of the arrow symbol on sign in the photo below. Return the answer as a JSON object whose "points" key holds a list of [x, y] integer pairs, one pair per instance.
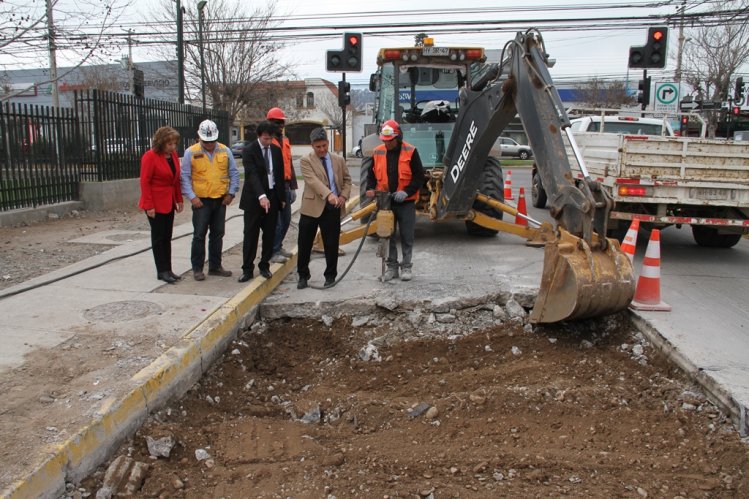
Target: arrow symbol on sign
{"points": [[688, 106], [666, 92]]}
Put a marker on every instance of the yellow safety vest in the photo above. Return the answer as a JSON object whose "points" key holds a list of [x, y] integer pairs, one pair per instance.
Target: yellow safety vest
{"points": [[210, 179]]}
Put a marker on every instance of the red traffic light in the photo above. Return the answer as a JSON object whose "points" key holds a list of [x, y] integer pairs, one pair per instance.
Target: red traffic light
{"points": [[353, 40], [736, 110], [657, 35], [685, 120]]}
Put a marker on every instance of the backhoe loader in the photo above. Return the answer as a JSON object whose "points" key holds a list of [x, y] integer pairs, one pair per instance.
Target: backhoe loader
{"points": [[585, 274]]}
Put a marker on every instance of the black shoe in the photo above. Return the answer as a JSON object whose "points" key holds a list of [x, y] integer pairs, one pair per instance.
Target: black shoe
{"points": [[175, 276], [221, 272], [266, 273], [167, 278], [329, 282], [302, 283], [246, 276]]}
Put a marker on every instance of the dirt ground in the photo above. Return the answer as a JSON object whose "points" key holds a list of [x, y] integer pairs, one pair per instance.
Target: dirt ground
{"points": [[293, 410], [496, 411]]}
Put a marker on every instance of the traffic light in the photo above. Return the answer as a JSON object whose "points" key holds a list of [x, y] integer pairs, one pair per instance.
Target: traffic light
{"points": [[352, 51], [348, 59], [653, 53], [643, 94], [334, 61], [344, 93], [738, 91], [736, 111], [684, 129], [657, 44]]}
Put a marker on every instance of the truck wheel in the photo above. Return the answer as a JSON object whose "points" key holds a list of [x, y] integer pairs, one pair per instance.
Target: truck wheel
{"points": [[524, 155], [364, 172], [710, 238], [538, 194], [492, 185]]}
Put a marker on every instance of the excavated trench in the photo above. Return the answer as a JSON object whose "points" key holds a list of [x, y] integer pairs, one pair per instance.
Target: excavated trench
{"points": [[452, 400]]}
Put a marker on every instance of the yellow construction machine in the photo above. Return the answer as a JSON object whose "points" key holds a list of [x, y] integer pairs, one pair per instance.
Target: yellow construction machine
{"points": [[585, 274]]}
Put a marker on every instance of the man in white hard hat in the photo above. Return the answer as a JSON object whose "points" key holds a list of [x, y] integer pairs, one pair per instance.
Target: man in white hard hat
{"points": [[210, 180]]}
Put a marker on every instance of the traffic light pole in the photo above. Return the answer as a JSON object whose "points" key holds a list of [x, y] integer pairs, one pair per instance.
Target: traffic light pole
{"points": [[646, 92], [343, 132]]}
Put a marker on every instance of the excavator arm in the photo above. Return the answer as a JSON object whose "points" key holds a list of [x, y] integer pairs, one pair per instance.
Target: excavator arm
{"points": [[584, 274]]}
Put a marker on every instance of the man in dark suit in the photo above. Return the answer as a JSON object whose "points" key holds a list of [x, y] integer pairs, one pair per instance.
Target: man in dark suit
{"points": [[263, 195], [327, 186]]}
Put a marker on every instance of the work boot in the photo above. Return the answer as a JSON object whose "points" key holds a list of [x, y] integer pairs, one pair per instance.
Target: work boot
{"points": [[198, 275], [278, 258], [406, 275], [389, 275]]}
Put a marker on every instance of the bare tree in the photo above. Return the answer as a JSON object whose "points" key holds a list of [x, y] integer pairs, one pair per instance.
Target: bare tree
{"points": [[599, 93], [240, 53], [713, 56], [79, 32], [328, 103]]}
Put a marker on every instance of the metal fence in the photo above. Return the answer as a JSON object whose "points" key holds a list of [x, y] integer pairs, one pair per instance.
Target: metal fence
{"points": [[117, 130], [40, 156], [45, 151]]}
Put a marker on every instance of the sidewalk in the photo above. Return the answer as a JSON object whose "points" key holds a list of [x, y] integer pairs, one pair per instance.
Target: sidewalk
{"points": [[86, 358]]}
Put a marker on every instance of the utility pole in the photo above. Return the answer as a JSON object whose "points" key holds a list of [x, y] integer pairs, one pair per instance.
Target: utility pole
{"points": [[180, 56], [680, 54], [130, 73], [201, 6], [52, 54]]}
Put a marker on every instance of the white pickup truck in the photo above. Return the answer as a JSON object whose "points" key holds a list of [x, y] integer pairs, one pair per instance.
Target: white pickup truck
{"points": [[664, 180]]}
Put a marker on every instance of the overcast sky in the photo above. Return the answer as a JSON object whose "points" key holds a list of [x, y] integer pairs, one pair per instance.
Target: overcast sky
{"points": [[581, 53], [582, 49]]}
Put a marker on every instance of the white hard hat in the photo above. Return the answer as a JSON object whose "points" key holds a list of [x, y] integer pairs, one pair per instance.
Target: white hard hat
{"points": [[208, 131]]}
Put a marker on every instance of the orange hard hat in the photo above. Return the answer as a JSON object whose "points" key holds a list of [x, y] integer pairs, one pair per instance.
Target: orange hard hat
{"points": [[275, 113], [390, 130]]}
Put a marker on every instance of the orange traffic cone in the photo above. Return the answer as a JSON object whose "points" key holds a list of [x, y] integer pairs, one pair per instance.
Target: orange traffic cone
{"points": [[508, 186], [522, 210], [630, 240], [648, 291]]}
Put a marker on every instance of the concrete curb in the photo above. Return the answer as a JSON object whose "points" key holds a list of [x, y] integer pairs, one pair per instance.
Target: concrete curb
{"points": [[168, 376], [713, 389]]}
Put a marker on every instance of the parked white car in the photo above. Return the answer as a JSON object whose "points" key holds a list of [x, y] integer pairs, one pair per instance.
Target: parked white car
{"points": [[511, 148]]}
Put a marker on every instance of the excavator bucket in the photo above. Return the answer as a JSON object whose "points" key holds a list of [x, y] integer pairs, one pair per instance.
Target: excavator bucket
{"points": [[579, 282]]}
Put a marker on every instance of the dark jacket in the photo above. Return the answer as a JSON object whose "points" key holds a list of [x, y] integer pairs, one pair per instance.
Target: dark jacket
{"points": [[256, 176]]}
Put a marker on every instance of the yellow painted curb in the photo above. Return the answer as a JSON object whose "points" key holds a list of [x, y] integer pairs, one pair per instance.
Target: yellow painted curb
{"points": [[168, 376]]}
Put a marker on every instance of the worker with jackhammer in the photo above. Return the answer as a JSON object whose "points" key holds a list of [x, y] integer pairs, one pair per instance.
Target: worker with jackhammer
{"points": [[397, 169]]}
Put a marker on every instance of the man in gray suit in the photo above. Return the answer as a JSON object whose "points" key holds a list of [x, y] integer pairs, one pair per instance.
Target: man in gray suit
{"points": [[327, 186]]}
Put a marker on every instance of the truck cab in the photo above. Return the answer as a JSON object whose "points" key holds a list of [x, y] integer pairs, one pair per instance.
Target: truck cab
{"points": [[419, 88]]}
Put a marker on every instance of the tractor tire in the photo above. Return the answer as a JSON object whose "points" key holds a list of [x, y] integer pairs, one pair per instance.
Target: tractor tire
{"points": [[364, 172], [538, 193], [492, 185], [710, 238]]}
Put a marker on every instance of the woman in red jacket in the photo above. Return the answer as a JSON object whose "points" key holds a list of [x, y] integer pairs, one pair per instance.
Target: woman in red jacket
{"points": [[160, 197]]}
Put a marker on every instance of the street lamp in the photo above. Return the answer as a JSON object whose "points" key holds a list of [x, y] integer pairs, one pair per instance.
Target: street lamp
{"points": [[201, 6]]}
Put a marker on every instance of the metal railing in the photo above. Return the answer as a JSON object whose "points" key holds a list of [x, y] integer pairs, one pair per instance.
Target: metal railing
{"points": [[117, 130], [45, 151], [40, 156]]}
